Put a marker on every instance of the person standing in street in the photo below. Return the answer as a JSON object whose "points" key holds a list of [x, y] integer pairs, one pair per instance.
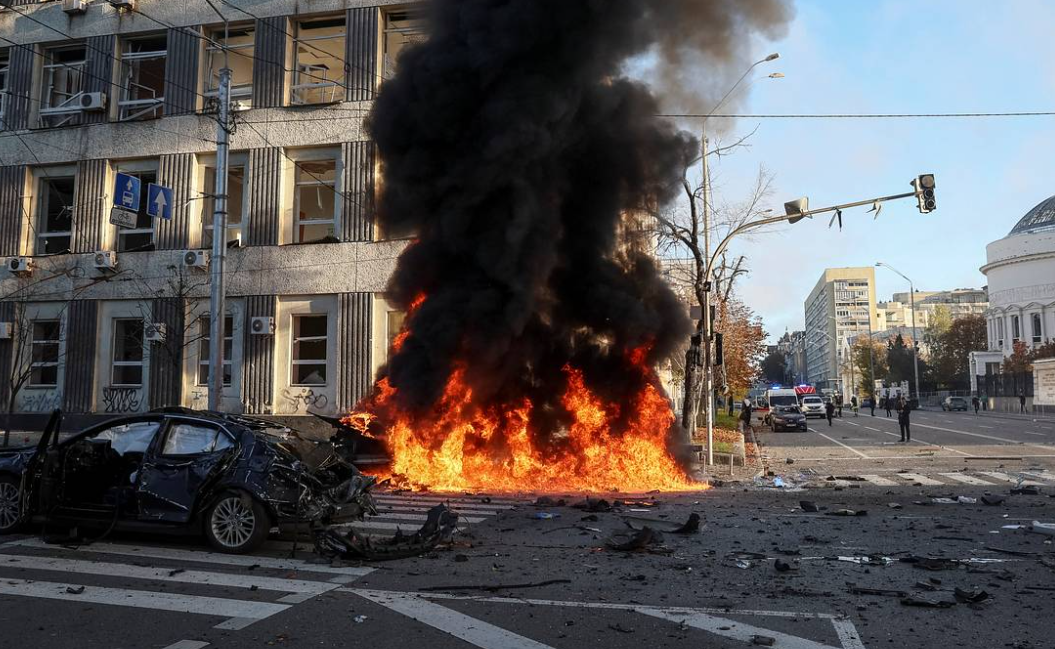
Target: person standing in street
{"points": [[872, 405], [887, 404], [976, 403], [903, 409], [745, 416], [853, 404], [1022, 402], [829, 411], [839, 406]]}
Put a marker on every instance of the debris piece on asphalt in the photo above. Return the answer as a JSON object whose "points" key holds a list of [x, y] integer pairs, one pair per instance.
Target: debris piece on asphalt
{"points": [[932, 563], [173, 573], [779, 483], [1014, 553], [460, 558], [808, 506], [644, 537], [763, 640], [743, 565], [992, 500], [882, 592], [959, 500], [783, 566], [1030, 490], [496, 587], [1042, 528], [546, 501], [544, 516], [848, 512], [923, 602], [590, 518], [593, 505], [925, 585], [894, 505], [873, 560], [440, 525], [970, 596], [75, 590], [359, 619], [690, 526], [620, 628]]}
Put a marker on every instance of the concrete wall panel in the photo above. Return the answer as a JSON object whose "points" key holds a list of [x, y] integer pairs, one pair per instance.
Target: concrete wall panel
{"points": [[354, 327], [361, 53], [82, 329], [359, 165]]}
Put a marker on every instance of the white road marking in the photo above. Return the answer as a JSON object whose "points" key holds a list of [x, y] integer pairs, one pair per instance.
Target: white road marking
{"points": [[382, 510], [880, 481], [370, 524], [1007, 477], [452, 500], [922, 479], [1027, 432], [188, 644], [986, 427], [33, 562], [473, 631], [1042, 475], [414, 517], [875, 429], [244, 561], [851, 423], [849, 448], [733, 629], [923, 442], [966, 479], [1046, 447], [241, 613], [429, 505]]}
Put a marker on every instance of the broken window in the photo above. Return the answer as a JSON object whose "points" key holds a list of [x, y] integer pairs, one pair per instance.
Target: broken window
{"points": [[127, 352], [44, 365], [204, 329], [5, 64], [236, 179], [318, 70], [240, 50], [394, 324], [140, 237], [189, 439], [129, 438], [309, 350], [402, 28], [314, 200], [54, 214], [62, 83], [143, 78]]}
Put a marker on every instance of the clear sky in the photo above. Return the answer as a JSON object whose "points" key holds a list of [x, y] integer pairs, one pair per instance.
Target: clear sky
{"points": [[895, 56]]}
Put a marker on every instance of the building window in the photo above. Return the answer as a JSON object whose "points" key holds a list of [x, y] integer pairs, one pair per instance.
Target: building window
{"points": [[318, 70], [54, 214], [1035, 325], [143, 78], [394, 324], [314, 200], [240, 48], [402, 28], [128, 353], [62, 83], [5, 64], [1016, 329], [204, 349], [309, 350], [140, 237], [236, 187], [44, 365]]}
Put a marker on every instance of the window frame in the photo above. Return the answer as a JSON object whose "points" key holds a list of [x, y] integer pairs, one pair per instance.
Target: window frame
{"points": [[294, 339], [388, 64], [40, 218], [114, 363], [33, 343], [1036, 328], [1016, 328], [232, 442], [64, 113], [297, 84], [204, 351], [207, 163], [336, 186], [5, 73], [139, 108], [213, 54]]}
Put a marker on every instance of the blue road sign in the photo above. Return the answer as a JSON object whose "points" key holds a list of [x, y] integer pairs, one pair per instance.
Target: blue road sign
{"points": [[159, 201], [126, 192]]}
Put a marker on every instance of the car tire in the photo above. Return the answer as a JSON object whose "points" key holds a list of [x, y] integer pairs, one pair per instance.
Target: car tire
{"points": [[10, 504], [236, 523]]}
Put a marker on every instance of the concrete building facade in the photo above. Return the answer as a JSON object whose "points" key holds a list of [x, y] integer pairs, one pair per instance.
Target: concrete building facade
{"points": [[841, 306], [103, 319]]}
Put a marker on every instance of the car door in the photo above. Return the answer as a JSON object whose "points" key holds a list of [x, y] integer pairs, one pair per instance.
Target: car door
{"points": [[183, 462]]}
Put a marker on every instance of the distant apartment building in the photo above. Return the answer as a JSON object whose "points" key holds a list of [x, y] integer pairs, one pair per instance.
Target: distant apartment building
{"points": [[841, 306], [896, 316], [102, 318]]}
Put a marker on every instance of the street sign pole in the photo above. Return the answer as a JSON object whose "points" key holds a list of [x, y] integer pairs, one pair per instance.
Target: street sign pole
{"points": [[217, 308]]}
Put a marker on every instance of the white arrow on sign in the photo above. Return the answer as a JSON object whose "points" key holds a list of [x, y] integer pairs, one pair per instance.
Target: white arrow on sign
{"points": [[160, 202]]}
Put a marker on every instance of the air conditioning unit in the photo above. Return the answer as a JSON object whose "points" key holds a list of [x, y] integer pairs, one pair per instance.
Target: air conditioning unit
{"points": [[196, 259], [75, 7], [123, 4], [20, 265], [154, 331], [7, 330], [93, 101], [106, 260], [239, 106], [262, 326]]}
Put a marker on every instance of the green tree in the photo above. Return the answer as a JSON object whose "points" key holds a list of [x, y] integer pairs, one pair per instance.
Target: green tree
{"points": [[949, 350], [865, 363]]}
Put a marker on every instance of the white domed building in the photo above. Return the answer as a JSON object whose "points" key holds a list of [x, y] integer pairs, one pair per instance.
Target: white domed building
{"points": [[1020, 269]]}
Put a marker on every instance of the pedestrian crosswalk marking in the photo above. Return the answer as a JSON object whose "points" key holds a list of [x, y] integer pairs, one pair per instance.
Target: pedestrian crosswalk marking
{"points": [[488, 503], [240, 613], [1006, 477], [385, 500], [966, 479], [419, 517], [879, 481], [922, 479]]}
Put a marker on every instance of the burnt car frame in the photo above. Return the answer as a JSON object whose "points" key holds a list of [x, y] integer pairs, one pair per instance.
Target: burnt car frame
{"points": [[179, 471]]}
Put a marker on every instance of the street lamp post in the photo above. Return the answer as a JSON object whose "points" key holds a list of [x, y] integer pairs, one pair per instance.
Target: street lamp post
{"points": [[915, 338]]}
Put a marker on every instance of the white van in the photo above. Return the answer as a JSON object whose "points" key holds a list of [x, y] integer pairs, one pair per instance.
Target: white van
{"points": [[779, 398]]}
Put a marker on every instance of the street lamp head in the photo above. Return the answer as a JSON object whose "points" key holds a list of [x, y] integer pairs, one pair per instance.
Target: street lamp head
{"points": [[879, 263], [777, 75], [772, 57]]}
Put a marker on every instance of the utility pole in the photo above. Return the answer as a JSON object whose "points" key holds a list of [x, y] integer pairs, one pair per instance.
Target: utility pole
{"points": [[217, 308]]}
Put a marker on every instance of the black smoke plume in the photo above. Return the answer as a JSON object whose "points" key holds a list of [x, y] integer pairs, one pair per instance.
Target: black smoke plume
{"points": [[514, 145]]}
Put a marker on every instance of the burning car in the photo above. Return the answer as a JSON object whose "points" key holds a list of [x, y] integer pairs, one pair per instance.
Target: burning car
{"points": [[179, 471]]}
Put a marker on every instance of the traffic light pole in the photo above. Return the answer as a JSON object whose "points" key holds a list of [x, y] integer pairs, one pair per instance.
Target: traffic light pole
{"points": [[217, 308]]}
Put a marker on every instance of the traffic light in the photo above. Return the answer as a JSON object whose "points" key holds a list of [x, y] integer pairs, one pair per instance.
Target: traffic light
{"points": [[924, 186], [719, 349]]}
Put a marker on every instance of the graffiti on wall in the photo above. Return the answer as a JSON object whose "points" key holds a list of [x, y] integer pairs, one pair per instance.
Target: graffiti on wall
{"points": [[40, 401], [303, 399], [120, 400]]}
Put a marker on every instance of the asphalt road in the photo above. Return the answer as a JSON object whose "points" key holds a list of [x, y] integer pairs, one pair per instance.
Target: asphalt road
{"points": [[513, 580]]}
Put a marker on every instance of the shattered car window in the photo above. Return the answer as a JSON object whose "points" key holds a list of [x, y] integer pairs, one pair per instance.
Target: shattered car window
{"points": [[129, 438], [188, 439]]}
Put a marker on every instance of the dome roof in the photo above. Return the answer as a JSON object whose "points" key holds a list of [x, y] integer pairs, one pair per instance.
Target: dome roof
{"points": [[1038, 219]]}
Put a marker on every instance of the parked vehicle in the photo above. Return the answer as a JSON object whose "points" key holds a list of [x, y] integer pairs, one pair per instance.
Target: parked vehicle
{"points": [[954, 403], [180, 471], [812, 406], [866, 403], [787, 418], [779, 398]]}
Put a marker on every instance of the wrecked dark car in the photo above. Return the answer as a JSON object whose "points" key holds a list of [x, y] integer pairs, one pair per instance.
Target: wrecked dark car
{"points": [[182, 471]]}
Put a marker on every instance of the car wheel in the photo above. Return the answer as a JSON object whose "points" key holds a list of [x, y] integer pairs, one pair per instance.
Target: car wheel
{"points": [[236, 524], [10, 504]]}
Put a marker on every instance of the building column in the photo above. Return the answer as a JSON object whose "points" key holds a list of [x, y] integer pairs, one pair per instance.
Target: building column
{"points": [[90, 208], [12, 208], [361, 52], [82, 327], [258, 361], [166, 358], [176, 171], [355, 340], [264, 196]]}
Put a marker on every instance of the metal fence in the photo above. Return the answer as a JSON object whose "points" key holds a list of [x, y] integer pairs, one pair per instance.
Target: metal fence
{"points": [[1007, 385]]}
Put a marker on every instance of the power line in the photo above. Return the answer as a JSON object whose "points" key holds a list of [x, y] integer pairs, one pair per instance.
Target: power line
{"points": [[863, 115]]}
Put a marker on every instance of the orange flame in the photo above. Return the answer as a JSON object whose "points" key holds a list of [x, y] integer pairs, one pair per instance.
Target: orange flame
{"points": [[458, 447]]}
